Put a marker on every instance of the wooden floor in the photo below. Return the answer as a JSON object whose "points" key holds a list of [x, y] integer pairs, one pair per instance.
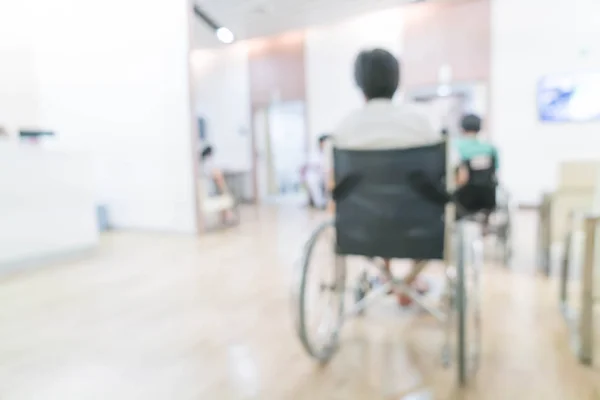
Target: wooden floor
{"points": [[175, 318]]}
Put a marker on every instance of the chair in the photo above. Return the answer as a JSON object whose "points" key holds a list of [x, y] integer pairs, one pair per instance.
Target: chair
{"points": [[212, 205], [577, 183], [579, 269], [383, 211]]}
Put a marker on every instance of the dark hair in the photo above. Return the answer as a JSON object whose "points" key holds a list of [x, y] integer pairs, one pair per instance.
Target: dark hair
{"points": [[207, 152], [471, 123], [444, 132], [324, 138], [377, 73]]}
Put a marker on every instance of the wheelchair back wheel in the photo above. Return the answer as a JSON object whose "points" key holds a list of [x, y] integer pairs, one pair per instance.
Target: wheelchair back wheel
{"points": [[507, 247], [320, 296], [469, 263]]}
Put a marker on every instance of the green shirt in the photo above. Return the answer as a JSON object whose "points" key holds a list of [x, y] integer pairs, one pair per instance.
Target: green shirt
{"points": [[469, 148]]}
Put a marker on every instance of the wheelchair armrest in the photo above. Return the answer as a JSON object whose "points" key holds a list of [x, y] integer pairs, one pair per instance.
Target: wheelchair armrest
{"points": [[345, 186], [422, 184]]}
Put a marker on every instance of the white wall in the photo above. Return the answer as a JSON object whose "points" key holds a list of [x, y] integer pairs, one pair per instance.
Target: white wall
{"points": [[222, 97], [530, 39], [47, 204], [113, 79], [330, 55], [18, 85]]}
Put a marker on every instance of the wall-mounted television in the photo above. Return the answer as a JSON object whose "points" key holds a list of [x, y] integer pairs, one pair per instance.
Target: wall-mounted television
{"points": [[569, 97]]}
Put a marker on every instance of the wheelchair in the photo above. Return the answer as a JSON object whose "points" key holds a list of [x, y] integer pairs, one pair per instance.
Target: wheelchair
{"points": [[373, 191], [501, 224], [501, 210]]}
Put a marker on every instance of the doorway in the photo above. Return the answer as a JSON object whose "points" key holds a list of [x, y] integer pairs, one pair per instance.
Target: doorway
{"points": [[280, 152]]}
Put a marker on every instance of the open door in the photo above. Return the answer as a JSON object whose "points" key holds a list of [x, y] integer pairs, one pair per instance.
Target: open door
{"points": [[280, 151], [262, 153]]}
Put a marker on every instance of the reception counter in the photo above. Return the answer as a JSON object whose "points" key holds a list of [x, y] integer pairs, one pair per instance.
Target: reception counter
{"points": [[47, 205]]}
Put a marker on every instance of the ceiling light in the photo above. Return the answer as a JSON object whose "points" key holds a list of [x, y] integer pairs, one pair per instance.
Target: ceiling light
{"points": [[225, 35]]}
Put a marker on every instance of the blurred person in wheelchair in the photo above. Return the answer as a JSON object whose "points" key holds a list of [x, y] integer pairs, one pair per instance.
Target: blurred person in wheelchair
{"points": [[477, 166], [382, 125]]}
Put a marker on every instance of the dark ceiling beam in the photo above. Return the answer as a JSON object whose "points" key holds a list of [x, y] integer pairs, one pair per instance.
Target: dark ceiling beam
{"points": [[205, 18]]}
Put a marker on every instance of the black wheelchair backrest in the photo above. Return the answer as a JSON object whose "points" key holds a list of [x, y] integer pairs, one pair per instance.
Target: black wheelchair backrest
{"points": [[482, 169], [380, 213], [480, 191]]}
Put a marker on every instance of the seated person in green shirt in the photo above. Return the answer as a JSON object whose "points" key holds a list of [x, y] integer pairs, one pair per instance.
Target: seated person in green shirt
{"points": [[473, 153], [477, 162]]}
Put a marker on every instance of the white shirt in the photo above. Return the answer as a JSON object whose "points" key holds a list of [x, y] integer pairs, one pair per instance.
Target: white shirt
{"points": [[314, 167], [315, 160], [382, 125]]}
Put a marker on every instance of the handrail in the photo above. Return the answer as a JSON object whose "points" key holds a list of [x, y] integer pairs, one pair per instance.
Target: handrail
{"points": [[584, 328]]}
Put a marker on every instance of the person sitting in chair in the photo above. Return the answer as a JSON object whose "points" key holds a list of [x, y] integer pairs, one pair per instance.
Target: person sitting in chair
{"points": [[217, 196], [382, 125]]}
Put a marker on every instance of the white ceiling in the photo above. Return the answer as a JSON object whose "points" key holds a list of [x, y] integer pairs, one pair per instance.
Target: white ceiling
{"points": [[255, 18]]}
